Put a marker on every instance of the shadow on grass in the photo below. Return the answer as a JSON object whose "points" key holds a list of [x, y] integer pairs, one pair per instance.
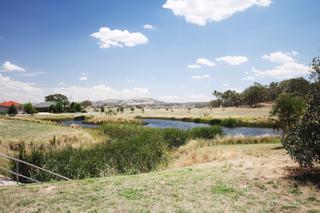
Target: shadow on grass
{"points": [[278, 147], [305, 176]]}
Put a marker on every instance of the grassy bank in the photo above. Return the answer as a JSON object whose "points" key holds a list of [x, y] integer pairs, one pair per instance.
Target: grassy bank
{"points": [[131, 149], [39, 133], [246, 182]]}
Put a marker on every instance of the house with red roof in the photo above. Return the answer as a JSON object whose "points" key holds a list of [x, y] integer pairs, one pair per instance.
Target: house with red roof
{"points": [[4, 106]]}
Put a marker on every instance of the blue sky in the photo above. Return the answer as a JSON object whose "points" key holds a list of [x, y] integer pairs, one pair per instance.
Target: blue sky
{"points": [[101, 49]]}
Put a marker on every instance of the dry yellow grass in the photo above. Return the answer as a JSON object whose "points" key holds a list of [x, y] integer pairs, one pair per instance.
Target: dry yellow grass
{"points": [[43, 134], [241, 112]]}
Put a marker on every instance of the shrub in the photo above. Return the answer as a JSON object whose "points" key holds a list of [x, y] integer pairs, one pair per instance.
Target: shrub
{"points": [[28, 108], [230, 122], [80, 118], [215, 122], [288, 108], [175, 137], [206, 132], [303, 139], [12, 110]]}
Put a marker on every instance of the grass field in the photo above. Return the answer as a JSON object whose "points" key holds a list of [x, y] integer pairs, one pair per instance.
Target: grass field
{"points": [[246, 178], [261, 112], [15, 131]]}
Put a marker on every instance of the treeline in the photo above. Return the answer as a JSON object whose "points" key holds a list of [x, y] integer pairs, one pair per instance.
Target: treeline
{"points": [[62, 104], [258, 93]]}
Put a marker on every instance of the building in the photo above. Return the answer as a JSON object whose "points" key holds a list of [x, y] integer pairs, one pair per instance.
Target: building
{"points": [[4, 106], [44, 107]]}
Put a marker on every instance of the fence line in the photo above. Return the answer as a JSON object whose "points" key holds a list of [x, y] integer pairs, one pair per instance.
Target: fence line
{"points": [[17, 161]]}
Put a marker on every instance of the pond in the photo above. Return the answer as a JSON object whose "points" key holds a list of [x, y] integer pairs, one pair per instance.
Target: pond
{"points": [[79, 123], [162, 123], [244, 131]]}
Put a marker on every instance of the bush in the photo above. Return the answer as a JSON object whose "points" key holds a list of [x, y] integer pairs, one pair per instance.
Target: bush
{"points": [[215, 122], [175, 137], [12, 110], [80, 118], [29, 109], [206, 132], [230, 122], [303, 139]]}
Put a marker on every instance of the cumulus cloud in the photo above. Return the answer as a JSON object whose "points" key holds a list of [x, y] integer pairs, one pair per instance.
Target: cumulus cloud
{"points": [[136, 93], [283, 71], [118, 38], [202, 11], [288, 68], [10, 67], [148, 27], [100, 92], [83, 78], [19, 91], [200, 63], [200, 77], [233, 60], [280, 57]]}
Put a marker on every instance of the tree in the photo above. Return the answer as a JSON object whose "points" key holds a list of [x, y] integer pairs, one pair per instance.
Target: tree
{"points": [[297, 86], [132, 109], [58, 98], [231, 98], [29, 109], [75, 107], [102, 109], [255, 95], [12, 110], [218, 96], [303, 140], [288, 108], [59, 107]]}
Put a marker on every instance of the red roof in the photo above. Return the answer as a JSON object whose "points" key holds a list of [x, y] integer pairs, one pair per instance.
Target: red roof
{"points": [[9, 104]]}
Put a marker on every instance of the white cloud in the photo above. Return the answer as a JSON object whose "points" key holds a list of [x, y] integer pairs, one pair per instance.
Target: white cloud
{"points": [[283, 71], [233, 60], [83, 78], [202, 11], [200, 63], [279, 57], [10, 67], [225, 85], [118, 38], [19, 91], [100, 92], [288, 68], [148, 27], [205, 62], [136, 93], [200, 77], [194, 66]]}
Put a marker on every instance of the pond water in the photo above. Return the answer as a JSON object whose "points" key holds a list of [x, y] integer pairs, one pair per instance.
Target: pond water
{"points": [[244, 131], [80, 123], [162, 123]]}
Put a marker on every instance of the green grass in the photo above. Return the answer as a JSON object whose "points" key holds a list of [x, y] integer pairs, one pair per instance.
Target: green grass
{"points": [[255, 185]]}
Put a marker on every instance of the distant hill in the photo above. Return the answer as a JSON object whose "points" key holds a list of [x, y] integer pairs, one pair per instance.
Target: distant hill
{"points": [[143, 101]]}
